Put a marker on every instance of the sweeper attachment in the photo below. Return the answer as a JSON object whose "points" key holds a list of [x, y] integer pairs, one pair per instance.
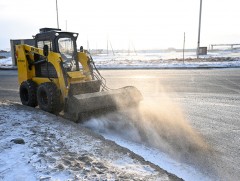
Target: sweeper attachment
{"points": [[55, 76]]}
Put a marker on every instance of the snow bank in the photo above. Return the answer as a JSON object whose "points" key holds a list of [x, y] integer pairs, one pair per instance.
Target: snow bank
{"points": [[167, 60], [5, 60], [224, 59], [57, 149], [6, 63]]}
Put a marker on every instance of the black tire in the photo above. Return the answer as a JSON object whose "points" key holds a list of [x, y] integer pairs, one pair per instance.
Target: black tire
{"points": [[48, 96], [28, 93]]}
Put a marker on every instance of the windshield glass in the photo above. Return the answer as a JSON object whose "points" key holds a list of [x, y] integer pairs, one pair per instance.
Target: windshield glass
{"points": [[66, 49]]}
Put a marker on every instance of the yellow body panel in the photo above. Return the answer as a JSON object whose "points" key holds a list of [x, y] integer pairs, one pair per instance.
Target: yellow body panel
{"points": [[83, 59], [23, 71], [77, 76]]}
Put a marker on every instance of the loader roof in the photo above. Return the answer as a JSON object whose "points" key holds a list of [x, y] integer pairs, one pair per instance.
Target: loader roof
{"points": [[53, 32], [50, 36], [43, 30]]}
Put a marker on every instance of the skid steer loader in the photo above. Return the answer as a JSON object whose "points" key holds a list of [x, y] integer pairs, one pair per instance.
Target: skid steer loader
{"points": [[55, 76]]}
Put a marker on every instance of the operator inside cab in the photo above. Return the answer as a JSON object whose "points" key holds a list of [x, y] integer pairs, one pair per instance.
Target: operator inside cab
{"points": [[66, 49]]}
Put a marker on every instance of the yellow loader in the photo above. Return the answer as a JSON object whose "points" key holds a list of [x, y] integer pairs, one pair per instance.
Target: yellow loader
{"points": [[55, 76]]}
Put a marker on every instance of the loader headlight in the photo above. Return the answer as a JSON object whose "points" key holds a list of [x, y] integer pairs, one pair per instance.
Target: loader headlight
{"points": [[56, 34]]}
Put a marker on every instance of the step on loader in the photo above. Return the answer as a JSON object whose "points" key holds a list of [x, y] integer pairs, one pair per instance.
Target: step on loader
{"points": [[57, 77]]}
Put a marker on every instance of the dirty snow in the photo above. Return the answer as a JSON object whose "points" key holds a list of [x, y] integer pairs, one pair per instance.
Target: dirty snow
{"points": [[56, 149]]}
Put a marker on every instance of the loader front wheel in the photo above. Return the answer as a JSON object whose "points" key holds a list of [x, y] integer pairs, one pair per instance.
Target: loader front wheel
{"points": [[48, 96], [28, 91]]}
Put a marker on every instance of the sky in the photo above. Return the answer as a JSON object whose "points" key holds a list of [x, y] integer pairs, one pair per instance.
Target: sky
{"points": [[126, 24]]}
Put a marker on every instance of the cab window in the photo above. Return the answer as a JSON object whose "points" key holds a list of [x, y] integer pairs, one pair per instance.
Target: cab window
{"points": [[66, 48], [40, 44], [67, 51]]}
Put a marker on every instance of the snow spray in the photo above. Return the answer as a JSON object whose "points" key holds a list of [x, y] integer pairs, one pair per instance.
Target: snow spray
{"points": [[160, 124]]}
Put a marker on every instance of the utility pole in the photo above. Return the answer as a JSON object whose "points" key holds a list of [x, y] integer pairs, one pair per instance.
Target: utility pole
{"points": [[88, 46], [107, 46], [66, 25], [57, 14], [183, 45], [111, 47], [199, 28]]}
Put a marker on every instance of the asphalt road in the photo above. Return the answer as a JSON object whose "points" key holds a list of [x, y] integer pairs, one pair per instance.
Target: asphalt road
{"points": [[9, 85], [210, 99]]}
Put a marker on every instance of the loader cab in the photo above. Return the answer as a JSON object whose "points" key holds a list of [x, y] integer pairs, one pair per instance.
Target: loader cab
{"points": [[60, 42]]}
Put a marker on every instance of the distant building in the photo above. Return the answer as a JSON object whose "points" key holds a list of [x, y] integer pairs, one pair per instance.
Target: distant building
{"points": [[202, 51]]}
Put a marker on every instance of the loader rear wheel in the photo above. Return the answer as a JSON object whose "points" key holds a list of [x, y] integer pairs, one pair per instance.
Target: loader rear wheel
{"points": [[28, 93], [48, 96]]}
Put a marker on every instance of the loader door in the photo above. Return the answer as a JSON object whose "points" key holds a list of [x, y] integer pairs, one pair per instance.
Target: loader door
{"points": [[67, 50], [45, 69]]}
